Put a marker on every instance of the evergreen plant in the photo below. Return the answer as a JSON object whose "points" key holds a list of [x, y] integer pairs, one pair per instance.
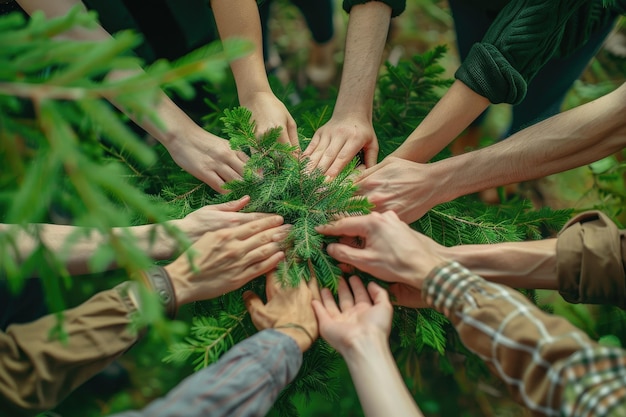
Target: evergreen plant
{"points": [[64, 149]]}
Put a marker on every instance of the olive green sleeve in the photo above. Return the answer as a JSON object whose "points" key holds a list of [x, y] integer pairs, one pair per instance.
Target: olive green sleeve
{"points": [[36, 372], [591, 260], [397, 6], [524, 36]]}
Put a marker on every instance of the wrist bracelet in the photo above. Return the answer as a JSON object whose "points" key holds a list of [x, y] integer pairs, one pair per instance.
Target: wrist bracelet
{"points": [[159, 280], [295, 326]]}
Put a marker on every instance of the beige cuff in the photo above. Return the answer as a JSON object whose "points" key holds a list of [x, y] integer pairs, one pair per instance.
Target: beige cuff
{"points": [[590, 260]]}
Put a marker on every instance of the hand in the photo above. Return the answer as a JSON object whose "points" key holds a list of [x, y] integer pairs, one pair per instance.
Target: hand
{"points": [[269, 112], [216, 217], [226, 259], [391, 251], [400, 185], [207, 157], [335, 144], [362, 314], [286, 306]]}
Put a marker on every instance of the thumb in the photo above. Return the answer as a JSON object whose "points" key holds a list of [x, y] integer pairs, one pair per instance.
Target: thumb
{"points": [[254, 305], [371, 157], [234, 205], [378, 294], [320, 312]]}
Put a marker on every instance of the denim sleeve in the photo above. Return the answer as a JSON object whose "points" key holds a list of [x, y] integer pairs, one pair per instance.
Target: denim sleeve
{"points": [[244, 382]]}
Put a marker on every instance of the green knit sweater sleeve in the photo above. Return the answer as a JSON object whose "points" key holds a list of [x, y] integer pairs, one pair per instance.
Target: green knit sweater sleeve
{"points": [[397, 6], [525, 35]]}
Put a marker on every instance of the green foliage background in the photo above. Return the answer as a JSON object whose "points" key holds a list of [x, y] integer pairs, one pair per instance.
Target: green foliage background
{"points": [[66, 151]]}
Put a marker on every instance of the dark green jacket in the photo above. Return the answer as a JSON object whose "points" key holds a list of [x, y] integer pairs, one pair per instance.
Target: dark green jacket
{"points": [[524, 36]]}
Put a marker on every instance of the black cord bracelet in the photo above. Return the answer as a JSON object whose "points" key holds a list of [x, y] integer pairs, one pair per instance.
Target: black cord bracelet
{"points": [[296, 326]]}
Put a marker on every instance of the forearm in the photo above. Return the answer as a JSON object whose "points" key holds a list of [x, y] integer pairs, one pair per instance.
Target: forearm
{"points": [[174, 122], [244, 382], [76, 245], [571, 139], [371, 367], [451, 115], [58, 8], [530, 264], [365, 43], [36, 373], [240, 19]]}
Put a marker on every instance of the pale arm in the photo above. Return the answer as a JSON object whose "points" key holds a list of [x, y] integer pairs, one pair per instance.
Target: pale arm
{"points": [[240, 19], [568, 140], [571, 139], [359, 329], [350, 128], [85, 242], [202, 154], [152, 239], [530, 264], [454, 112]]}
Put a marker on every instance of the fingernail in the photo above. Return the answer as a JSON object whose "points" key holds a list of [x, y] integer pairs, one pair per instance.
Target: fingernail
{"points": [[282, 233]]}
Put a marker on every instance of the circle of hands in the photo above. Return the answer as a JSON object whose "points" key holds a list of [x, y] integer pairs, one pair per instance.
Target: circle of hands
{"points": [[367, 243]]}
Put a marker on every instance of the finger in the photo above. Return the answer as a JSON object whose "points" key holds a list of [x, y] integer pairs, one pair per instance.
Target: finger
{"points": [[346, 300], [284, 136], [329, 302], [228, 173], [314, 288], [346, 254], [358, 290], [252, 228], [264, 243], [231, 206], [262, 267], [213, 180], [243, 158], [371, 156], [313, 144], [346, 226], [292, 130], [318, 154], [344, 156], [255, 305], [378, 294], [329, 156], [271, 285], [320, 312]]}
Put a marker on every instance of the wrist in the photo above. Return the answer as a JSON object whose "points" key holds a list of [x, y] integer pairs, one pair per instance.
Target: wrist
{"points": [[179, 272], [299, 334], [447, 185], [158, 280], [364, 344]]}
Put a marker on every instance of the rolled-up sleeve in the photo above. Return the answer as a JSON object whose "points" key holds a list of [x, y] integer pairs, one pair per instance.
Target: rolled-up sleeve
{"points": [[37, 372], [591, 260], [524, 36]]}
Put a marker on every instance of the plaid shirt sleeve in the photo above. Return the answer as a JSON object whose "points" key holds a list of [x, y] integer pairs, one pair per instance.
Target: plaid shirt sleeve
{"points": [[549, 365], [245, 382]]}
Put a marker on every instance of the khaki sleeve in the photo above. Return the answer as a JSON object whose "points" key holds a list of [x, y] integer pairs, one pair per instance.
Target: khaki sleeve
{"points": [[36, 373], [591, 260]]}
